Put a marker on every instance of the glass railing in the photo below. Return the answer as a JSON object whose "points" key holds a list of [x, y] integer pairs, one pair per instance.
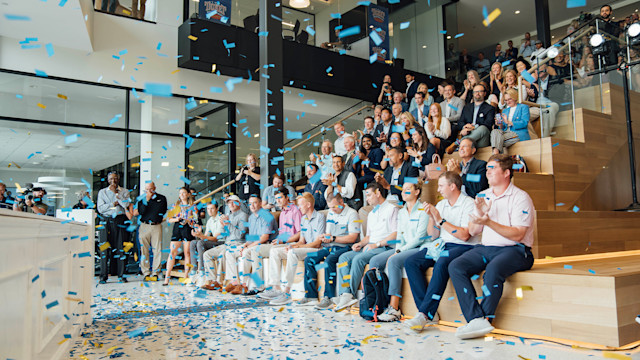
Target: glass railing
{"points": [[136, 9]]}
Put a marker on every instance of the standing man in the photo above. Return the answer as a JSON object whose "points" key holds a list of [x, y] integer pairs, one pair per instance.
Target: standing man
{"points": [[382, 225], [395, 174], [383, 131], [210, 238], [342, 230], [151, 210], [350, 155], [421, 112], [114, 204], [312, 226], [476, 120], [338, 146], [527, 48], [315, 187], [342, 182], [6, 201], [504, 215], [412, 86], [472, 171], [451, 105], [233, 236]]}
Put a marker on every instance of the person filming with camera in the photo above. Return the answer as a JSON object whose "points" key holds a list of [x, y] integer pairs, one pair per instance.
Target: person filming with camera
{"points": [[31, 201]]}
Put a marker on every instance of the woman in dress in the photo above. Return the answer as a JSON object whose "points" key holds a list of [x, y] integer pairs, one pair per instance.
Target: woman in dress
{"points": [[184, 220]]}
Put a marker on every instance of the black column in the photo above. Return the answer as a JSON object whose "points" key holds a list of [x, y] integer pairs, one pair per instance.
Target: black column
{"points": [[271, 113], [542, 22]]}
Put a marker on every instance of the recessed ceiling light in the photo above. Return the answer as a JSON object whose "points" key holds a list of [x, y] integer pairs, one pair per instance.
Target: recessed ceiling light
{"points": [[256, 135], [424, 46], [448, 37], [517, 12]]}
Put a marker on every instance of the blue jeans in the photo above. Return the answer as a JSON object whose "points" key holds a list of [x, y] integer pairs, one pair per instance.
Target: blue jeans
{"points": [[356, 262], [394, 270], [330, 257], [499, 262], [427, 297]]}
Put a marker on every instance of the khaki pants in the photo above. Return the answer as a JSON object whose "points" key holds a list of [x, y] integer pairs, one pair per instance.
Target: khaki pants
{"points": [[277, 255], [150, 236], [210, 257], [252, 262]]}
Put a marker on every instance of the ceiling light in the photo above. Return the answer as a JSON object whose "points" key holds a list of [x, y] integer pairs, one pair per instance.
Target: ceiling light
{"points": [[299, 4], [634, 34], [517, 12], [424, 46], [165, 164], [448, 37], [256, 135]]}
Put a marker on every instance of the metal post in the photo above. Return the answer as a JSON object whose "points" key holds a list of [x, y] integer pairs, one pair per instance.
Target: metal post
{"points": [[632, 159], [573, 99]]}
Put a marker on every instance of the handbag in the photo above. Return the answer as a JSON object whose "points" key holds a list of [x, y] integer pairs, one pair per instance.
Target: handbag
{"points": [[435, 168], [434, 248]]}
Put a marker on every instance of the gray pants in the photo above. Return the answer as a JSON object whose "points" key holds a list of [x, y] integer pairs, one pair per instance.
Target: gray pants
{"points": [[198, 247], [355, 264], [480, 136], [501, 139], [394, 264]]}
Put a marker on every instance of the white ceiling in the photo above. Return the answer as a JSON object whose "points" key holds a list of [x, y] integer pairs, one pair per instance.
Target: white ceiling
{"points": [[65, 25], [508, 24]]}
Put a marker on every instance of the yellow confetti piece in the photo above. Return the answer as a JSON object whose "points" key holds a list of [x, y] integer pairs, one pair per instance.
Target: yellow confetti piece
{"points": [[151, 278], [193, 38], [346, 277], [42, 106], [523, 358], [126, 12], [281, 309], [346, 284], [190, 167], [62, 96], [152, 328], [73, 299], [127, 246], [104, 246], [175, 71], [612, 355], [240, 326], [549, 257], [494, 15], [357, 221], [84, 357], [117, 299], [63, 340], [110, 350], [118, 328], [135, 256], [329, 74], [343, 264], [213, 68], [366, 340]]}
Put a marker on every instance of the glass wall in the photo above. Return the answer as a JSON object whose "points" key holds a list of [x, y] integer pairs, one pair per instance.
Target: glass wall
{"points": [[136, 9]]}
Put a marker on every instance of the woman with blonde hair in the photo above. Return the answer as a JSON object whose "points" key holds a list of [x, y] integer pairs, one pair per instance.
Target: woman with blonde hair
{"points": [[409, 123], [512, 124], [438, 127], [472, 80], [184, 220], [510, 82], [428, 99]]}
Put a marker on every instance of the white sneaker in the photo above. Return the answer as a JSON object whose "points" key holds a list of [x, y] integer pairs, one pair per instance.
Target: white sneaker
{"points": [[270, 294], [390, 314], [418, 322], [283, 299], [345, 300], [477, 327], [638, 319], [305, 301], [201, 281]]}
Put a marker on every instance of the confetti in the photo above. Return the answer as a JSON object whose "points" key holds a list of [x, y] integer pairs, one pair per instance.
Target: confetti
{"points": [[576, 3], [491, 18], [404, 25]]}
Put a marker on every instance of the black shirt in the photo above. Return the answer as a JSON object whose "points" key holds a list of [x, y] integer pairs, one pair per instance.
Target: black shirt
{"points": [[6, 203], [154, 210], [79, 205], [248, 186]]}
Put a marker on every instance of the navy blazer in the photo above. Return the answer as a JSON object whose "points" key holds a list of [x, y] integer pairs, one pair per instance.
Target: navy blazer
{"points": [[317, 190], [375, 158], [407, 170], [380, 129], [486, 116], [425, 112], [413, 89], [477, 167]]}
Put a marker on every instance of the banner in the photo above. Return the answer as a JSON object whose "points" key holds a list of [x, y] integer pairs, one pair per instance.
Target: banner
{"points": [[215, 10], [378, 17]]}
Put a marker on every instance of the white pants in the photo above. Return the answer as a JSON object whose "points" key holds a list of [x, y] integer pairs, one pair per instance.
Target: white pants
{"points": [[251, 262], [209, 262], [277, 255], [231, 255]]}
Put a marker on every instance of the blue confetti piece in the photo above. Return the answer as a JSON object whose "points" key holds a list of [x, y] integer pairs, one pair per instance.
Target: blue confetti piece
{"points": [[321, 266], [249, 335], [41, 73], [228, 45], [49, 48], [527, 76], [506, 63], [35, 278], [257, 280], [185, 180], [136, 332], [71, 139], [475, 178], [310, 30], [364, 3], [517, 166], [329, 69], [592, 271], [405, 25], [568, 267], [475, 277], [395, 56], [459, 36], [159, 46], [354, 30], [62, 3], [576, 209], [294, 134], [17, 17], [375, 37], [485, 12], [214, 89], [373, 58], [556, 144], [436, 297], [52, 304], [400, 341], [576, 3], [485, 290], [411, 180], [336, 16], [158, 89], [84, 254]]}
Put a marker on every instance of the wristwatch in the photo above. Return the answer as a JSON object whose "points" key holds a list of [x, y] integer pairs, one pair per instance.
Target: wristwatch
{"points": [[442, 222], [397, 251], [333, 238]]}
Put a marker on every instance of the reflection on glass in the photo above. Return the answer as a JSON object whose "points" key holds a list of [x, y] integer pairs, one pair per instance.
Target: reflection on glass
{"points": [[137, 9]]}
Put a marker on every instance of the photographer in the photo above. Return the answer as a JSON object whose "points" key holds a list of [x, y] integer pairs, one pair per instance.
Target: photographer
{"points": [[6, 201], [386, 92], [31, 201]]}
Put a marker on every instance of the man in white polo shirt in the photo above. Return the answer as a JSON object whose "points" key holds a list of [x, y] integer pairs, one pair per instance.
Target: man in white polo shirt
{"points": [[504, 215], [382, 224]]}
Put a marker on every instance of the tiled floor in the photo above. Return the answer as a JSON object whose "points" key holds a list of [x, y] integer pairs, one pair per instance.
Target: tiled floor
{"points": [[148, 321]]}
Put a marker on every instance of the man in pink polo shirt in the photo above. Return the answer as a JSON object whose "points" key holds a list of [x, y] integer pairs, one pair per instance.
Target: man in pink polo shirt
{"points": [[504, 215]]}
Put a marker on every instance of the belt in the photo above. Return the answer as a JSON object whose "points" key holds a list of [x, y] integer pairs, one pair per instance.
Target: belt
{"points": [[151, 224]]}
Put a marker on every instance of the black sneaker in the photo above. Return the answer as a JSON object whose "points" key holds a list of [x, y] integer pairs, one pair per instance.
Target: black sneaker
{"points": [[253, 292], [124, 280], [102, 282]]}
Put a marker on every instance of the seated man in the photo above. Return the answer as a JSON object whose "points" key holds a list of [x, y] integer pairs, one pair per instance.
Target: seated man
{"points": [[311, 228], [315, 187], [504, 215], [342, 230], [412, 233], [476, 121], [269, 194], [204, 241], [262, 229], [472, 171], [232, 237], [395, 174], [288, 232], [382, 223], [448, 225], [343, 182]]}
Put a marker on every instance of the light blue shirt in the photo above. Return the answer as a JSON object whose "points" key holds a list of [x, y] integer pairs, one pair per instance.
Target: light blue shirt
{"points": [[311, 228], [412, 228], [345, 223]]}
